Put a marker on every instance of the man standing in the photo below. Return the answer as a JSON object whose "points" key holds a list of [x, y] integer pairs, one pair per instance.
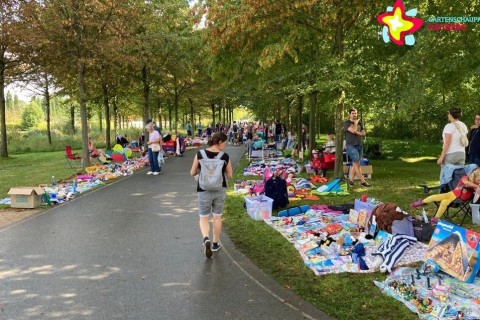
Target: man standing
{"points": [[199, 129], [235, 133], [188, 127], [354, 132], [474, 142], [278, 131]]}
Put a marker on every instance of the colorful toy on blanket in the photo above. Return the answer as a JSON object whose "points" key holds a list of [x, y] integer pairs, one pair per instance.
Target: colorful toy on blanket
{"points": [[433, 295]]}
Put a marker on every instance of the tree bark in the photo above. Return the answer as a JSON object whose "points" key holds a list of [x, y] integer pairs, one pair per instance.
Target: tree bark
{"points": [[313, 120], [46, 93], [3, 121], [146, 108], [106, 104]]}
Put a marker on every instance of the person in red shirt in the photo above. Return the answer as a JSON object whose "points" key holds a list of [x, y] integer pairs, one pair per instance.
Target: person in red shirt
{"points": [[316, 162], [464, 190]]}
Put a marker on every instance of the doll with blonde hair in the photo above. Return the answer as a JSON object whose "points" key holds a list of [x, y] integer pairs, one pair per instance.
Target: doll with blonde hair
{"points": [[464, 190]]}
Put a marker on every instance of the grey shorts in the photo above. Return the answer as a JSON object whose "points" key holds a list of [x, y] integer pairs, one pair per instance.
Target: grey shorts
{"points": [[211, 202], [457, 158]]}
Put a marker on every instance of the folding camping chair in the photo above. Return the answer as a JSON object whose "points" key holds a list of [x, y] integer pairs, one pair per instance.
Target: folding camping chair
{"points": [[458, 207], [73, 159]]}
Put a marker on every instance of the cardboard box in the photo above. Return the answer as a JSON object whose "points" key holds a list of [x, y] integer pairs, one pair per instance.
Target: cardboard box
{"points": [[26, 197], [455, 250], [366, 171], [365, 206]]}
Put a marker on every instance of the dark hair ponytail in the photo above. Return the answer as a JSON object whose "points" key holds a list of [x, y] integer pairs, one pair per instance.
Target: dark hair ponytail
{"points": [[217, 138]]}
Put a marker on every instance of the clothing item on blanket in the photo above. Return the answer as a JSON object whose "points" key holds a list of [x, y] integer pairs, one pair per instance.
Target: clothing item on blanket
{"points": [[344, 208], [303, 183], [448, 169], [357, 256], [392, 249], [385, 214], [326, 209]]}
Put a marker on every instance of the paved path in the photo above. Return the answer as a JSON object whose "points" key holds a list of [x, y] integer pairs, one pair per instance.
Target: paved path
{"points": [[132, 250]]}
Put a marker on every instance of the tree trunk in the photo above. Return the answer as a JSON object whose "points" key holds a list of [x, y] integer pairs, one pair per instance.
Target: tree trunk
{"points": [[299, 121], [146, 108], [339, 48], [175, 107], [170, 118], [313, 120], [212, 107], [78, 29], [83, 112], [339, 136], [47, 108], [3, 121], [192, 118], [117, 121], [72, 118], [106, 104]]}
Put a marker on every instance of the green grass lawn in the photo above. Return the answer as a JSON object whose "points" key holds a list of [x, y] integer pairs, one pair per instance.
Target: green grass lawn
{"points": [[404, 165], [33, 169], [344, 296]]}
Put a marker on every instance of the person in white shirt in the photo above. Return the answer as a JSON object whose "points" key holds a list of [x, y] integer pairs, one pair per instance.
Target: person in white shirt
{"points": [[453, 151], [330, 145]]}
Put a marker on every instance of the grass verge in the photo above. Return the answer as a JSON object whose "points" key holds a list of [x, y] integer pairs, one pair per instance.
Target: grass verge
{"points": [[346, 295]]}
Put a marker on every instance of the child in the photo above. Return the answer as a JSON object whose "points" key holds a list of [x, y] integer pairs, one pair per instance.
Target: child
{"points": [[316, 162], [463, 190]]}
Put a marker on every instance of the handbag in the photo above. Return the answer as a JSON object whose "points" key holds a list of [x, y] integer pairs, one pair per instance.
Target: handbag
{"points": [[155, 147], [463, 136], [161, 159]]}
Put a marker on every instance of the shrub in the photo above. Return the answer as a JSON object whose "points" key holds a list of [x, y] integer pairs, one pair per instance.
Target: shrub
{"points": [[32, 115]]}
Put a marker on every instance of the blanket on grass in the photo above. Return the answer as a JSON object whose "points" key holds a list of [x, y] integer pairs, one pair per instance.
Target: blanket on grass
{"points": [[334, 255], [433, 295]]}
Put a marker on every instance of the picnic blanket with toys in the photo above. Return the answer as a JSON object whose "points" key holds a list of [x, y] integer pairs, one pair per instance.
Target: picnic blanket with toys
{"points": [[96, 175], [446, 286], [330, 242], [431, 294], [298, 188]]}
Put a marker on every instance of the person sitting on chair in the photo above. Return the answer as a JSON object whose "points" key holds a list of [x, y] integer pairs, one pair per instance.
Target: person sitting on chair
{"points": [[330, 145], [96, 153], [463, 190]]}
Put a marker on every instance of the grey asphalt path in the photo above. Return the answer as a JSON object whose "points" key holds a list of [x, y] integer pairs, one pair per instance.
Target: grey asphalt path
{"points": [[132, 250]]}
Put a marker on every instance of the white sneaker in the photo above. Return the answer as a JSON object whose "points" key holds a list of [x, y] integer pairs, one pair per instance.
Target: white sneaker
{"points": [[156, 173], [150, 172]]}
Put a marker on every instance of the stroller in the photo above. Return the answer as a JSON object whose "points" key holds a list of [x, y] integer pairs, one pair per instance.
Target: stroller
{"points": [[180, 146], [457, 207]]}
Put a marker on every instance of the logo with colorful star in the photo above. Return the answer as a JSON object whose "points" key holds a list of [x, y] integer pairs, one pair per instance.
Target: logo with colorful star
{"points": [[399, 25]]}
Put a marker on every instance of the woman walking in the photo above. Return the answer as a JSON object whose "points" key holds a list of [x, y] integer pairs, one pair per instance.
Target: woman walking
{"points": [[211, 203]]}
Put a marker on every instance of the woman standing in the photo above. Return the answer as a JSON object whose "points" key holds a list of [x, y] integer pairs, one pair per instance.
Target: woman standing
{"points": [[453, 151], [154, 146], [212, 202]]}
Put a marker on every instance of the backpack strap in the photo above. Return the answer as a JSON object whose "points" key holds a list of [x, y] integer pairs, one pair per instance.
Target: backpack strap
{"points": [[204, 154]]}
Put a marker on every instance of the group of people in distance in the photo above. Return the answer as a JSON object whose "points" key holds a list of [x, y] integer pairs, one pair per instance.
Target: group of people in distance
{"points": [[211, 203]]}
